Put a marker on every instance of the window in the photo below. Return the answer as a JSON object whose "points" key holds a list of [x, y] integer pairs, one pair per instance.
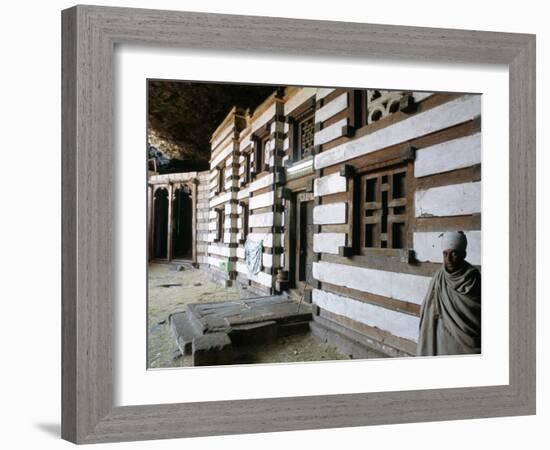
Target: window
{"points": [[262, 153], [244, 221], [371, 105], [306, 131], [220, 179], [383, 209], [248, 172], [302, 130], [262, 150], [266, 150], [220, 224]]}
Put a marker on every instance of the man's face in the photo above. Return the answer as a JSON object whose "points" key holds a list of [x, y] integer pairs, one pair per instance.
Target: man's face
{"points": [[453, 259]]}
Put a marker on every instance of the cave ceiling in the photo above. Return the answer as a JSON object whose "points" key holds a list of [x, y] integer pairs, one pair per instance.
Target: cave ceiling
{"points": [[183, 115]]}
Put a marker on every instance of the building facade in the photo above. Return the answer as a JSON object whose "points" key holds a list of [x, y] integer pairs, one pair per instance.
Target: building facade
{"points": [[348, 190]]}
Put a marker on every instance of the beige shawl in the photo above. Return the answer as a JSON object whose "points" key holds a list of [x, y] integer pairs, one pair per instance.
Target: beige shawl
{"points": [[450, 316]]}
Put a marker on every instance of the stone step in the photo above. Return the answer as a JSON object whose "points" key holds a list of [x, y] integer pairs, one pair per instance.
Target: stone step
{"points": [[254, 333], [212, 349], [184, 331]]}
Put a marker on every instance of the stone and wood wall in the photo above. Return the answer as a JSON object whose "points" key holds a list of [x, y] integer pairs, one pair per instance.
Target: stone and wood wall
{"points": [[349, 191], [177, 211]]}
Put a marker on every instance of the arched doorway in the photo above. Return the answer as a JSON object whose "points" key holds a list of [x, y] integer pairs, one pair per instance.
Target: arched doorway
{"points": [[182, 223], [160, 227]]}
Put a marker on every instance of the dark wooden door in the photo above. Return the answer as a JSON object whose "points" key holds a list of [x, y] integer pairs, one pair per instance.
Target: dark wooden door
{"points": [[160, 230], [306, 241]]}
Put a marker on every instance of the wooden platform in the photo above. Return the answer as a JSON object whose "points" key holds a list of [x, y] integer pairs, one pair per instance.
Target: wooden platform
{"points": [[208, 331]]}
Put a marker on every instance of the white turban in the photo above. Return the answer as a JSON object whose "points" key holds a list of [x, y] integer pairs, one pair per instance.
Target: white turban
{"points": [[454, 240]]}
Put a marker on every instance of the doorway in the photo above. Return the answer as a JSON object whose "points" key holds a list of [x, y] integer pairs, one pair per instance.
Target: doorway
{"points": [[301, 254], [182, 223], [160, 227]]}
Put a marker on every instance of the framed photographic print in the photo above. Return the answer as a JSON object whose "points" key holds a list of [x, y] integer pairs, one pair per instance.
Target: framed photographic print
{"points": [[307, 233]]}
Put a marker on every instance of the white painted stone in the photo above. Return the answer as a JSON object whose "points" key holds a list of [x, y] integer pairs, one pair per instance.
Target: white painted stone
{"points": [[330, 184], [267, 260], [300, 168], [228, 208], [262, 200], [245, 142], [329, 133], [243, 193], [263, 118], [400, 286], [323, 92], [297, 99], [328, 242], [212, 214], [332, 108], [399, 324], [267, 238], [452, 200], [331, 213], [286, 144], [213, 184], [260, 220], [261, 277], [175, 177], [427, 246], [449, 155], [266, 180], [215, 262], [451, 113], [222, 135], [224, 153], [218, 200], [220, 250], [240, 252]]}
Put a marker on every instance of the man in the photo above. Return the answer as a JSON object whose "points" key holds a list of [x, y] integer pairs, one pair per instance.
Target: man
{"points": [[450, 316]]}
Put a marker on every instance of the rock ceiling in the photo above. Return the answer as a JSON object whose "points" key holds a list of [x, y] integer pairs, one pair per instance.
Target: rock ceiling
{"points": [[183, 115]]}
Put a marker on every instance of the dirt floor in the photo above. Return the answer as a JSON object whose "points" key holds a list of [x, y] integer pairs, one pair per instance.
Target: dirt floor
{"points": [[170, 291]]}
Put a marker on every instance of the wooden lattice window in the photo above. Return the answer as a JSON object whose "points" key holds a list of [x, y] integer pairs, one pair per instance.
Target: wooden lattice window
{"points": [[266, 152], [306, 132], [220, 177], [301, 132], [220, 224], [370, 105], [383, 209], [244, 221], [247, 168], [262, 151]]}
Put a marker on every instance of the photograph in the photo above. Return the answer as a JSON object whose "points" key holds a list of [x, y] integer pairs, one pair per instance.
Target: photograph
{"points": [[290, 224]]}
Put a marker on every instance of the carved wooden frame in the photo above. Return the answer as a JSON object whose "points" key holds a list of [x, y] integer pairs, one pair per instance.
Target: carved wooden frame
{"points": [[89, 36]]}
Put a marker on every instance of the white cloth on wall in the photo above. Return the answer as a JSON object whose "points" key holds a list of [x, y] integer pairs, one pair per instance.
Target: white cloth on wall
{"points": [[253, 255]]}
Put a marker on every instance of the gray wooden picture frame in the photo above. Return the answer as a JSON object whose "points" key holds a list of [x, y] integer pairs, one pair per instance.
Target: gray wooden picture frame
{"points": [[89, 37]]}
